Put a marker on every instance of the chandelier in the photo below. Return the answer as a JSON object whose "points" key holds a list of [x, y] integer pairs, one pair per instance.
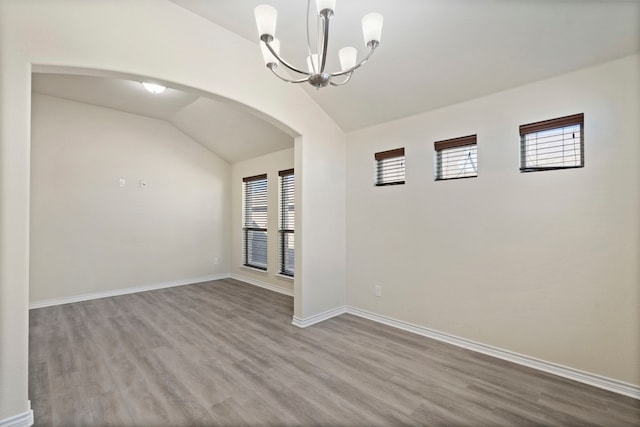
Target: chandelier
{"points": [[316, 75]]}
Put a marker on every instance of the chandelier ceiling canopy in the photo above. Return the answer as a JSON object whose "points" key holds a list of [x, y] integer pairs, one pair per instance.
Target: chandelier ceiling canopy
{"points": [[266, 17]]}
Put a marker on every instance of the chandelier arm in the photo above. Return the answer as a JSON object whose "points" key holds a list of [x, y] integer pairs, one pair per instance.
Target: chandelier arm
{"points": [[325, 40], [316, 64], [342, 82], [282, 61], [272, 66], [309, 37], [372, 48]]}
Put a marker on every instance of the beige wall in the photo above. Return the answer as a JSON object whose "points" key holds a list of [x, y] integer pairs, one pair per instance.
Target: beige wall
{"points": [[88, 234], [544, 264], [320, 196], [114, 37], [270, 164]]}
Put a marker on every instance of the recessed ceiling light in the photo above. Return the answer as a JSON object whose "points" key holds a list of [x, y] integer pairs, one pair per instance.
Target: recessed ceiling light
{"points": [[153, 88]]}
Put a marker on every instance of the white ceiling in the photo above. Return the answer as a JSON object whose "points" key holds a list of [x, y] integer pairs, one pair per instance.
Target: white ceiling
{"points": [[439, 52], [433, 53], [233, 134]]}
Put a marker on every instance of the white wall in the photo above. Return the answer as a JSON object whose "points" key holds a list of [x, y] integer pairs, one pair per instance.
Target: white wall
{"points": [[88, 234], [544, 264], [115, 37], [269, 164]]}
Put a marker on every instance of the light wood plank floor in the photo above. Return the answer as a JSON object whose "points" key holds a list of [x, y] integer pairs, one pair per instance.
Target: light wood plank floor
{"points": [[225, 353]]}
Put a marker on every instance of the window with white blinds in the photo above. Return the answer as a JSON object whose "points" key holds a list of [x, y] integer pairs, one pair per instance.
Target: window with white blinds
{"points": [[552, 144], [287, 222], [390, 167], [254, 222], [456, 158]]}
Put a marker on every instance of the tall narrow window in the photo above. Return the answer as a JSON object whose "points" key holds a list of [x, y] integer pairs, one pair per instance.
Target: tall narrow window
{"points": [[254, 227], [287, 222], [552, 144], [456, 158], [390, 167]]}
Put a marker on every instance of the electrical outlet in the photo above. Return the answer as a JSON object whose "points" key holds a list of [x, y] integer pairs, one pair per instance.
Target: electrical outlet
{"points": [[216, 261], [378, 290], [122, 182]]}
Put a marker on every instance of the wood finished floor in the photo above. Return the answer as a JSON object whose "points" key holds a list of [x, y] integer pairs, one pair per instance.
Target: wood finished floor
{"points": [[225, 353]]}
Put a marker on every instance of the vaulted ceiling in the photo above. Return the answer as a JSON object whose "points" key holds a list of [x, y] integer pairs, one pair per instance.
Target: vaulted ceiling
{"points": [[433, 53], [231, 133]]}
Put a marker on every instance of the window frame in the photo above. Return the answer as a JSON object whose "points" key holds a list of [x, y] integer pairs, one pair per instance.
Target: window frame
{"points": [[447, 144], [547, 125], [246, 256], [283, 225], [380, 157]]}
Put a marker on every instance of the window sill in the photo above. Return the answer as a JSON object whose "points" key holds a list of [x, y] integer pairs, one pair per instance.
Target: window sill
{"points": [[385, 184], [541, 169], [255, 270], [454, 178], [284, 276]]}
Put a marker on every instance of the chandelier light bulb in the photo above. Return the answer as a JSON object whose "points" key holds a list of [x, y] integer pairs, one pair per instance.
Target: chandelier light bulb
{"points": [[348, 56], [326, 4], [372, 27], [266, 17]]}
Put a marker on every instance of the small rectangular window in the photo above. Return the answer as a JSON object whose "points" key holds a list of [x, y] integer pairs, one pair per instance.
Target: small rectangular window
{"points": [[552, 144], [390, 167], [254, 222], [456, 158], [287, 222]]}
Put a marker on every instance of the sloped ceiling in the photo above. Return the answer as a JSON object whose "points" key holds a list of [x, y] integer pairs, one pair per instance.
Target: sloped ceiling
{"points": [[440, 52], [231, 133], [433, 53]]}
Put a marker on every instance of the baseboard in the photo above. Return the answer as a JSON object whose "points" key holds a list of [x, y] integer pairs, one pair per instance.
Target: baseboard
{"points": [[320, 317], [124, 291], [605, 383], [21, 420], [594, 380], [261, 284]]}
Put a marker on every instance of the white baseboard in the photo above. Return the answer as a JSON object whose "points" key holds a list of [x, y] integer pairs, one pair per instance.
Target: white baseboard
{"points": [[261, 284], [620, 387], [124, 291], [21, 420], [605, 383], [320, 317]]}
